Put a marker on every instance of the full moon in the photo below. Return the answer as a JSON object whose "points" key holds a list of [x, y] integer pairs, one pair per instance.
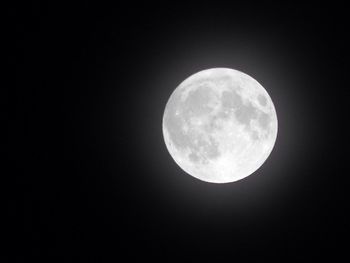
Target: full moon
{"points": [[220, 125]]}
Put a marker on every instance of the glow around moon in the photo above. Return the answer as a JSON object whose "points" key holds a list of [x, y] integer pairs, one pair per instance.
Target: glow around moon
{"points": [[220, 125]]}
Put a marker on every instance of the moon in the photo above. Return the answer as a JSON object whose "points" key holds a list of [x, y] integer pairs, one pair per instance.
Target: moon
{"points": [[220, 125]]}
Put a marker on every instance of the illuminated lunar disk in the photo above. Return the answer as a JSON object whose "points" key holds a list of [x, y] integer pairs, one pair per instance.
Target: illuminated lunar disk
{"points": [[220, 125]]}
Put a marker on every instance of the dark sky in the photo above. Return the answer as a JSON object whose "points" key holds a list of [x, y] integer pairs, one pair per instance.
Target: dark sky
{"points": [[90, 175]]}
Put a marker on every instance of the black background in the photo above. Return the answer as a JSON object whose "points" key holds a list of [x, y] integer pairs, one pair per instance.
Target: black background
{"points": [[90, 174]]}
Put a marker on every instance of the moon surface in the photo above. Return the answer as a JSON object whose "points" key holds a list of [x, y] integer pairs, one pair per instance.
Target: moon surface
{"points": [[220, 125]]}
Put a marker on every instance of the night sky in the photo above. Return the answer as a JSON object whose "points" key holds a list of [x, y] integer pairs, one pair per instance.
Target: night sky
{"points": [[90, 175]]}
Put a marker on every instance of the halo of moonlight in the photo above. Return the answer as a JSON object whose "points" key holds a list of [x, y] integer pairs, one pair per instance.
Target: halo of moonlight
{"points": [[220, 125]]}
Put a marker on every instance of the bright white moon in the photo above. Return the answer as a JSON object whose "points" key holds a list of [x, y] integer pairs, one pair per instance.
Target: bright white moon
{"points": [[220, 125]]}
